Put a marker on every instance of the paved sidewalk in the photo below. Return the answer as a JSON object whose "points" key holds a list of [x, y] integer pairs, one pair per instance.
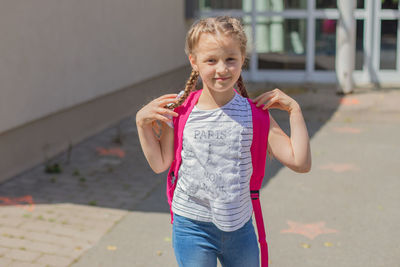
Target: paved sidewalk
{"points": [[51, 219], [107, 208]]}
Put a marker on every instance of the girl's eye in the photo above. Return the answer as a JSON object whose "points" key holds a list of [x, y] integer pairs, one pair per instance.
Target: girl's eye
{"points": [[210, 60], [231, 59]]}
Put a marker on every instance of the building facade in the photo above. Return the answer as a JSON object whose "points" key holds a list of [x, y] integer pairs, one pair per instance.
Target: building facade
{"points": [[295, 40], [69, 69]]}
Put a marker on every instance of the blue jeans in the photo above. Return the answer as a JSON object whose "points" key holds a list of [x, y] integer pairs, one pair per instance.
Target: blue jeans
{"points": [[199, 244]]}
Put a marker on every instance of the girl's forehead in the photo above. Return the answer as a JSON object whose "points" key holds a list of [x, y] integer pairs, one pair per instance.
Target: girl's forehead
{"points": [[208, 43]]}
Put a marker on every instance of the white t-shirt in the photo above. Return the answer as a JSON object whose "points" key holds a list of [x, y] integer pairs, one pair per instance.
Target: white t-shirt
{"points": [[214, 175]]}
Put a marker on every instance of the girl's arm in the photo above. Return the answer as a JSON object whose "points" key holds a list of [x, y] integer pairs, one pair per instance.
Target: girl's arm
{"points": [[158, 152], [294, 151]]}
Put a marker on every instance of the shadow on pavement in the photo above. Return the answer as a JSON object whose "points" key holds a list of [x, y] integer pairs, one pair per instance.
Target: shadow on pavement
{"points": [[109, 169]]}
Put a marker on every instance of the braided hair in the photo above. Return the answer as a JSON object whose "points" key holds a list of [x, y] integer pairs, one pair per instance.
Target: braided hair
{"points": [[223, 25]]}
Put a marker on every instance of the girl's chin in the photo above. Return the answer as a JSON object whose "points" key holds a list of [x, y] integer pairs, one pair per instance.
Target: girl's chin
{"points": [[221, 89], [221, 86]]}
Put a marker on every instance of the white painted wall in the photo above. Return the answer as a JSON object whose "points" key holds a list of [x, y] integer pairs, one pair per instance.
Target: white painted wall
{"points": [[57, 54]]}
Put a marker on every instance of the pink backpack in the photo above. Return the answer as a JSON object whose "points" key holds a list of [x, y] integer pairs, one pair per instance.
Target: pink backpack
{"points": [[258, 154]]}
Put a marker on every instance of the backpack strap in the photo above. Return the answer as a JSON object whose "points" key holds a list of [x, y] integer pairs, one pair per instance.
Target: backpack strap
{"points": [[179, 124], [259, 154]]}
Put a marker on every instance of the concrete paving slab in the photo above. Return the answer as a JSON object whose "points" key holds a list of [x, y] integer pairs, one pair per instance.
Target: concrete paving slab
{"points": [[108, 210]]}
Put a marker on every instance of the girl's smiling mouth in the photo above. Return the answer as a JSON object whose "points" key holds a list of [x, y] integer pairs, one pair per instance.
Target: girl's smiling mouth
{"points": [[222, 78]]}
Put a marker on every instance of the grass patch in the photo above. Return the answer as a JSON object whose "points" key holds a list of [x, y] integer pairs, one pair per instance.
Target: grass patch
{"points": [[53, 168]]}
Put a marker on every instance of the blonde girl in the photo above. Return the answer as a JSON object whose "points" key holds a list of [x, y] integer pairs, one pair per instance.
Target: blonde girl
{"points": [[211, 205]]}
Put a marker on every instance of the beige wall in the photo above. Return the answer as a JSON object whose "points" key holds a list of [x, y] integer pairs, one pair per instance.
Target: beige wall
{"points": [[57, 54], [38, 142]]}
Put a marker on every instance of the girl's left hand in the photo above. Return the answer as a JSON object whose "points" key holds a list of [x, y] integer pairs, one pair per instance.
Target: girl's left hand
{"points": [[276, 99]]}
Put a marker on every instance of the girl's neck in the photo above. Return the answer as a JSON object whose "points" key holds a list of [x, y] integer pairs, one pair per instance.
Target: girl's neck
{"points": [[212, 100]]}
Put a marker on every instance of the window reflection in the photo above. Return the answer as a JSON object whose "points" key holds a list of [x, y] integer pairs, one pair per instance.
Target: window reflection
{"points": [[326, 4], [390, 4], [249, 34], [388, 44], [279, 5], [359, 45], [281, 43], [220, 4], [333, 4], [360, 4], [325, 44]]}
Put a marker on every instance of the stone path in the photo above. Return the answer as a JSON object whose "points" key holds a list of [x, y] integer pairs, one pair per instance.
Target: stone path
{"points": [[51, 219], [107, 208]]}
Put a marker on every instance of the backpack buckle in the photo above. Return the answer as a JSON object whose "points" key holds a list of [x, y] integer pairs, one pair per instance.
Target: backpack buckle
{"points": [[254, 194], [173, 178]]}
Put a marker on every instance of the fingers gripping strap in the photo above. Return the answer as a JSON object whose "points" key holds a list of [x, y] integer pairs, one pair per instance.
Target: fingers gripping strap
{"points": [[261, 232]]}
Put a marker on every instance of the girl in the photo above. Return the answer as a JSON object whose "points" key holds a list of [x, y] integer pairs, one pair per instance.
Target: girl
{"points": [[211, 204]]}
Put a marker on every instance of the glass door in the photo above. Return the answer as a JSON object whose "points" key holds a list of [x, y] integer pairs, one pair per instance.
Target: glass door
{"points": [[277, 35], [295, 40], [382, 64]]}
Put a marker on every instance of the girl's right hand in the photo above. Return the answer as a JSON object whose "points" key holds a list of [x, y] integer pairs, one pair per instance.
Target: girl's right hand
{"points": [[155, 110]]}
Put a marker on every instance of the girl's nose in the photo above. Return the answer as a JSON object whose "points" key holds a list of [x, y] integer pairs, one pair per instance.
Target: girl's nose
{"points": [[221, 67]]}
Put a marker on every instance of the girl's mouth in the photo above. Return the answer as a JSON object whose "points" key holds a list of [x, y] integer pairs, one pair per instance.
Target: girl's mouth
{"points": [[222, 79]]}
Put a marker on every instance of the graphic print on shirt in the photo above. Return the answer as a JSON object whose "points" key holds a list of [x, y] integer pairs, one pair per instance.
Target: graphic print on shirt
{"points": [[210, 141], [205, 150], [216, 166], [211, 152]]}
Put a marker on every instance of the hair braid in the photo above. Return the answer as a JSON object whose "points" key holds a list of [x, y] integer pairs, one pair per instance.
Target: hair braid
{"points": [[190, 84], [241, 87]]}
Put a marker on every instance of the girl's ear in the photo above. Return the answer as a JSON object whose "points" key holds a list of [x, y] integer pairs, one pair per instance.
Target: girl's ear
{"points": [[192, 60], [243, 59]]}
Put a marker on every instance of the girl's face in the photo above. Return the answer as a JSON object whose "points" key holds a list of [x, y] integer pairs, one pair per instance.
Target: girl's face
{"points": [[218, 60]]}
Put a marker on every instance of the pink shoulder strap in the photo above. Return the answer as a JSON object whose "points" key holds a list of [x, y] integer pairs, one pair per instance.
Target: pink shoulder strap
{"points": [[258, 151], [179, 124], [259, 155]]}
